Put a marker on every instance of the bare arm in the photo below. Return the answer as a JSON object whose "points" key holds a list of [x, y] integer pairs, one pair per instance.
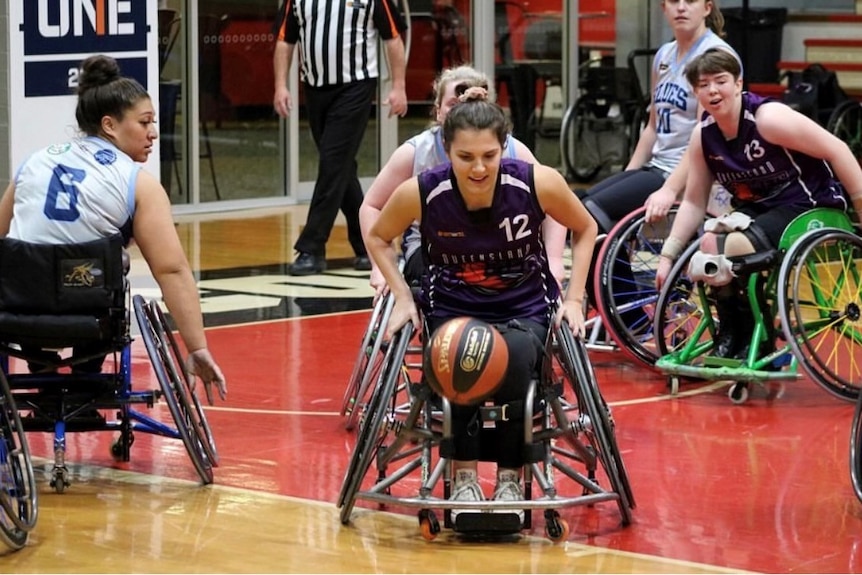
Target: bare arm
{"points": [[560, 203], [696, 195], [281, 61], [157, 238], [784, 126], [6, 205], [659, 202], [398, 169], [693, 207], [397, 98], [400, 211]]}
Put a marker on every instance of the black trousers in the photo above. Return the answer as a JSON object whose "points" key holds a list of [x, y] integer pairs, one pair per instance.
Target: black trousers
{"points": [[617, 196], [338, 116], [526, 349]]}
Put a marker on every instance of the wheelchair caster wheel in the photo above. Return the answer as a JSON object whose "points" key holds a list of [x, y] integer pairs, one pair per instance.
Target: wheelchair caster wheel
{"points": [[556, 529], [60, 479], [118, 447], [673, 384], [738, 392], [428, 525]]}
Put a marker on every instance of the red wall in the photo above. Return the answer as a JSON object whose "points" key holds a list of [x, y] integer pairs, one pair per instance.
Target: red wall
{"points": [[247, 45]]}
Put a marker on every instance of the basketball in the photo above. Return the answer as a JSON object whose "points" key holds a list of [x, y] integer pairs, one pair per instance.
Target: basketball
{"points": [[466, 360]]}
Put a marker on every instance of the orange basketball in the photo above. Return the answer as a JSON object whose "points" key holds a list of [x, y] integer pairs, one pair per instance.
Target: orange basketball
{"points": [[466, 360]]}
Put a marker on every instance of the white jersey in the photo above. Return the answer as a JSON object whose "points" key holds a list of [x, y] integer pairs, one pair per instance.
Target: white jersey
{"points": [[429, 153], [74, 192], [674, 100]]}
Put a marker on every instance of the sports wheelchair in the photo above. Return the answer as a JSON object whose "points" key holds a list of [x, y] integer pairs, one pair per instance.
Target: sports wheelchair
{"points": [[619, 319], [624, 278], [806, 302], [55, 297], [18, 493], [845, 122], [563, 434]]}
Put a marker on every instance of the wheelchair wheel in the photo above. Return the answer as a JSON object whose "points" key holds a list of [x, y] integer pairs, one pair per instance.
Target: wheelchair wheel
{"points": [[820, 305], [856, 450], [579, 141], [683, 310], [359, 366], [185, 408], [368, 362], [845, 122], [625, 282], [572, 355], [18, 494], [371, 427]]}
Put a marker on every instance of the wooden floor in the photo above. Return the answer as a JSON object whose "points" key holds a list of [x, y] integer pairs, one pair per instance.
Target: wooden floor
{"points": [[720, 488]]}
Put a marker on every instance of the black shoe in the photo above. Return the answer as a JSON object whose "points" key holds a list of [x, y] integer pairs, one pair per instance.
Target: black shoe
{"points": [[307, 264], [362, 264], [725, 343]]}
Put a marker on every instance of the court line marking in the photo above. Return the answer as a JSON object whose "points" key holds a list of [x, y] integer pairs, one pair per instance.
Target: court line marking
{"points": [[708, 388]]}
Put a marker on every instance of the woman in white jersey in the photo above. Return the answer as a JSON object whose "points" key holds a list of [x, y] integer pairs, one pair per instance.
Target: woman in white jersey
{"points": [[656, 172], [425, 150], [93, 187]]}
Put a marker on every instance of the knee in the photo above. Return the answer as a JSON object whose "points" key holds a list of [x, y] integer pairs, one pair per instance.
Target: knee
{"points": [[738, 244]]}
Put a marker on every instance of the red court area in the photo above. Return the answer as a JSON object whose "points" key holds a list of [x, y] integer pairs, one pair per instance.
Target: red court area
{"points": [[762, 486]]}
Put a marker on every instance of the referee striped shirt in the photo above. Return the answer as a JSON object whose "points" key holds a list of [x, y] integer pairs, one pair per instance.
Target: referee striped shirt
{"points": [[338, 38]]}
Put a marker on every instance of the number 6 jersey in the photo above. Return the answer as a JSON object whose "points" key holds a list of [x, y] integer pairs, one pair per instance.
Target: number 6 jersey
{"points": [[74, 192]]}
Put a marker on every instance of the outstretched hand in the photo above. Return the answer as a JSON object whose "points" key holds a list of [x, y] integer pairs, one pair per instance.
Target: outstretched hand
{"points": [[200, 363]]}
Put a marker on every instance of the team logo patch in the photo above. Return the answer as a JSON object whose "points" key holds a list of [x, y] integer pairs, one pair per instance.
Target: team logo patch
{"points": [[57, 149], [106, 157], [82, 273]]}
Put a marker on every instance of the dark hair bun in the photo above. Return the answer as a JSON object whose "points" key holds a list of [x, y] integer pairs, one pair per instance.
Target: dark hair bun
{"points": [[97, 71]]}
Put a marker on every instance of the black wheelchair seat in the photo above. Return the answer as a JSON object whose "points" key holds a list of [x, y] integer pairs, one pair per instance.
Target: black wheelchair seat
{"points": [[54, 297], [62, 295]]}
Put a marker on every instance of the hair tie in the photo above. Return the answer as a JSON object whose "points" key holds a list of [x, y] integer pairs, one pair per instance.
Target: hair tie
{"points": [[474, 93]]}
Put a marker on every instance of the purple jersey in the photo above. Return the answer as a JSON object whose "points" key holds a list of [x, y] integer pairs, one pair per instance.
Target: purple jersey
{"points": [[489, 264], [756, 171]]}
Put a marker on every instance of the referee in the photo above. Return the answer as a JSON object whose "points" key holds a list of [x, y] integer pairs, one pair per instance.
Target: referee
{"points": [[339, 67]]}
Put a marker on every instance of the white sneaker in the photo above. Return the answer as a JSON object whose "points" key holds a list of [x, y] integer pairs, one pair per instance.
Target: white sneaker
{"points": [[509, 490], [468, 490]]}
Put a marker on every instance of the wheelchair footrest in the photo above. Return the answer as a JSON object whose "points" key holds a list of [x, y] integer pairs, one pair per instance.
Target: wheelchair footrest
{"points": [[487, 523]]}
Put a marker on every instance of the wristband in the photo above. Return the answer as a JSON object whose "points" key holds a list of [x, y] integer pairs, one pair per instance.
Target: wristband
{"points": [[672, 248]]}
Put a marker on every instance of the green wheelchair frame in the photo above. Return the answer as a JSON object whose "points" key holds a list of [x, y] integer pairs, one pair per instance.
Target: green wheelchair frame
{"points": [[811, 284]]}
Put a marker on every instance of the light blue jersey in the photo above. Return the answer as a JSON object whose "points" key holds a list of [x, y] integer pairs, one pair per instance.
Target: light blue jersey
{"points": [[674, 100], [74, 192]]}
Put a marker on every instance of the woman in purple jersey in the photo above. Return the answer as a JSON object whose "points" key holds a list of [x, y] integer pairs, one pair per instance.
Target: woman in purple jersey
{"points": [[425, 150], [481, 226], [775, 162]]}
